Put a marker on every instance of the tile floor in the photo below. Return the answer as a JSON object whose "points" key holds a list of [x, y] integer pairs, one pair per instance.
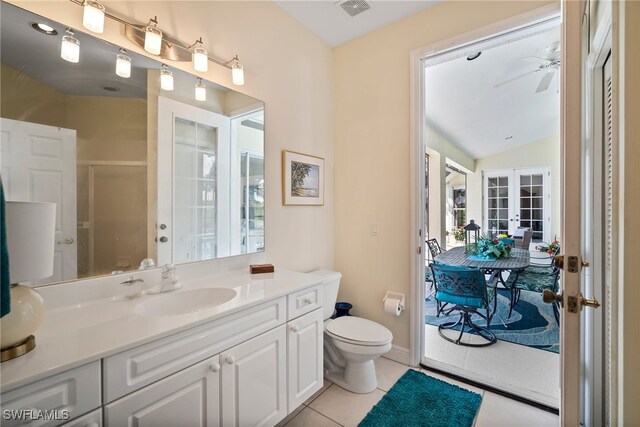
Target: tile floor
{"points": [[540, 381], [333, 406]]}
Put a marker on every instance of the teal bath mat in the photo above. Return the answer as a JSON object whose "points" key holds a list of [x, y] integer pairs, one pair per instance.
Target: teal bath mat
{"points": [[417, 399]]}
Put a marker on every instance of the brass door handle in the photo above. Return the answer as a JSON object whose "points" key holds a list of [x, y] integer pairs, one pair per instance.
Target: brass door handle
{"points": [[549, 296], [575, 303]]}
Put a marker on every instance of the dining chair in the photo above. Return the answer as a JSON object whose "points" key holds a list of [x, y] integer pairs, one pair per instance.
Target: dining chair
{"points": [[434, 250], [534, 279], [525, 241], [467, 291]]}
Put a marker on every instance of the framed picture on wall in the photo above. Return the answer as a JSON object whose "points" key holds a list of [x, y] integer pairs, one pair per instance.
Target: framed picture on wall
{"points": [[302, 179]]}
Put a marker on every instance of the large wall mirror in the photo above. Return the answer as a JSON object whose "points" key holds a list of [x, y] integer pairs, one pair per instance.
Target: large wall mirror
{"points": [[136, 171]]}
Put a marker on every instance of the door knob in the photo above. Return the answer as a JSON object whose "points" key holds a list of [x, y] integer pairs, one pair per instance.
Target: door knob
{"points": [[575, 303], [164, 239], [230, 360], [558, 261], [549, 296], [215, 367], [294, 328]]}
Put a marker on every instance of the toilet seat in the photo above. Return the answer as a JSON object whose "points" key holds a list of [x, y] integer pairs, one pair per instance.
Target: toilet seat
{"points": [[358, 331]]}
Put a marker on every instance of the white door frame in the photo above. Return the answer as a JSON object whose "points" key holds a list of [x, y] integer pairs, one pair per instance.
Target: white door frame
{"points": [[571, 131], [600, 372]]}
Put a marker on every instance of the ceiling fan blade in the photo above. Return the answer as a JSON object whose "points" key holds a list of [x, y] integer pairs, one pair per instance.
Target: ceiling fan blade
{"points": [[515, 78], [536, 60], [545, 81]]}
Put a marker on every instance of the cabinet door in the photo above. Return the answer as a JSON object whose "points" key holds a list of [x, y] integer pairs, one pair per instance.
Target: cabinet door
{"points": [[304, 341], [254, 380], [190, 397]]}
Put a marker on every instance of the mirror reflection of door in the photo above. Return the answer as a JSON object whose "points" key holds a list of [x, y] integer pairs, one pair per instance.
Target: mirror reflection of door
{"points": [[196, 142], [38, 164]]}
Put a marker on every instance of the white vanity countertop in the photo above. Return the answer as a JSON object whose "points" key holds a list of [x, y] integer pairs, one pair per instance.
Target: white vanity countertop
{"points": [[81, 333]]}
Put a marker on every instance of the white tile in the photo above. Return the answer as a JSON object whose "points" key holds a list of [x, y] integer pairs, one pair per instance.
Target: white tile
{"points": [[344, 407], [309, 417], [325, 386], [520, 368], [291, 416], [497, 411], [388, 372]]}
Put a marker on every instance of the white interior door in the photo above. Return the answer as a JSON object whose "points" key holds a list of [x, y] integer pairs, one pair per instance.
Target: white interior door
{"points": [[194, 180], [571, 110], [517, 198], [38, 164]]}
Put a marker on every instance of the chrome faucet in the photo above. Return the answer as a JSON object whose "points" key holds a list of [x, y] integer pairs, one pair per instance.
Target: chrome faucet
{"points": [[131, 281], [146, 264], [138, 290], [168, 282]]}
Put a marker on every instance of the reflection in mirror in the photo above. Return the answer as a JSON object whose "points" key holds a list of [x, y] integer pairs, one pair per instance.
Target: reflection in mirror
{"points": [[135, 171]]}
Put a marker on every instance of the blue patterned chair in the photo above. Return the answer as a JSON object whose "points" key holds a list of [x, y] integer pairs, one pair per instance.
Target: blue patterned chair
{"points": [[466, 291], [534, 279]]}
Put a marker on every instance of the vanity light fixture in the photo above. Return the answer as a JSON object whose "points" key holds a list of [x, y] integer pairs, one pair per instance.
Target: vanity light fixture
{"points": [[154, 41], [70, 50], [237, 72], [166, 78], [123, 64], [153, 37], [201, 91], [200, 56], [93, 17]]}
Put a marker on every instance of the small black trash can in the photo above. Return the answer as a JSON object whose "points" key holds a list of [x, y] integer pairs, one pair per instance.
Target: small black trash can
{"points": [[342, 309]]}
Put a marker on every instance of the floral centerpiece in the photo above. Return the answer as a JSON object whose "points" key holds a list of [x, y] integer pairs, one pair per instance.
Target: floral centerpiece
{"points": [[550, 248], [492, 248]]}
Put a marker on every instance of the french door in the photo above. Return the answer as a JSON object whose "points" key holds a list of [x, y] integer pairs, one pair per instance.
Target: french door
{"points": [[517, 198]]}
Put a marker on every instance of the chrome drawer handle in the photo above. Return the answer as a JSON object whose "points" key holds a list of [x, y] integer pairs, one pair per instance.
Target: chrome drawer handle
{"points": [[307, 301]]}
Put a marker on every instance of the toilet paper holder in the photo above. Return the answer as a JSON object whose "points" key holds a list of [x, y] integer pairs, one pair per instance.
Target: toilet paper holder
{"points": [[394, 295]]}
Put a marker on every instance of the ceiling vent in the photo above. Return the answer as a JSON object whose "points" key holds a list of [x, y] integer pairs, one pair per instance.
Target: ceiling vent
{"points": [[355, 7]]}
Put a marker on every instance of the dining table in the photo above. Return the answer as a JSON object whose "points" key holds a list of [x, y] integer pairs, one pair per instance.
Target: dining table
{"points": [[517, 260]]}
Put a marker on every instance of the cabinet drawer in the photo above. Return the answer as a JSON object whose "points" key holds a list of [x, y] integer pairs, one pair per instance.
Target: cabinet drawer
{"points": [[188, 398], [304, 301], [61, 397], [92, 419], [133, 369]]}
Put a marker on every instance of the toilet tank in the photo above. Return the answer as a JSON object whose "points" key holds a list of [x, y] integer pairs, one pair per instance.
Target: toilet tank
{"points": [[331, 284]]}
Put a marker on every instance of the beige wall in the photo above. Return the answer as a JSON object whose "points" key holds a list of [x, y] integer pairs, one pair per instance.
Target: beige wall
{"points": [[542, 153], [372, 149], [28, 100], [286, 66]]}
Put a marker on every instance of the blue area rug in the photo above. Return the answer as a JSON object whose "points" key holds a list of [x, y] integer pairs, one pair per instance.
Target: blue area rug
{"points": [[417, 399], [532, 322]]}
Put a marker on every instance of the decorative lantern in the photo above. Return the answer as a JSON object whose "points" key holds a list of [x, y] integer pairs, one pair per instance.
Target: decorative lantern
{"points": [[471, 237]]}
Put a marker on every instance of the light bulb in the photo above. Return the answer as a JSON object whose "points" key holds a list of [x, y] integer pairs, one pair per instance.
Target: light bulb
{"points": [[166, 78], [70, 50], [200, 59], [93, 17], [237, 72], [152, 38], [201, 91], [123, 64]]}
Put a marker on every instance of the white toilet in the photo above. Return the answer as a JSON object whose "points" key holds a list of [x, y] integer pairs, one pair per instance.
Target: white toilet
{"points": [[350, 343]]}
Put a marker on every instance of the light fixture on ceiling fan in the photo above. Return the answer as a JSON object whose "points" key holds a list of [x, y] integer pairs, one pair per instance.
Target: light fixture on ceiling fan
{"points": [[549, 65]]}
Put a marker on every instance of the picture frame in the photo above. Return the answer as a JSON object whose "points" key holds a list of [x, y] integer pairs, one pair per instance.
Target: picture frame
{"points": [[302, 179]]}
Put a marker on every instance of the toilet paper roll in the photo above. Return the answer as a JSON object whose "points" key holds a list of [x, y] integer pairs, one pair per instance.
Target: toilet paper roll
{"points": [[392, 306]]}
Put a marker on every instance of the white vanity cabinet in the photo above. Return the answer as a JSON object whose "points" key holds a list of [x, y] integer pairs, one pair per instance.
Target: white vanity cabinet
{"points": [[304, 356], [254, 381], [54, 400], [190, 397], [248, 368]]}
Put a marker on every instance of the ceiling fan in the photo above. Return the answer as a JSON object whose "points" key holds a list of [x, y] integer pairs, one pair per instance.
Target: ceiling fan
{"points": [[549, 65]]}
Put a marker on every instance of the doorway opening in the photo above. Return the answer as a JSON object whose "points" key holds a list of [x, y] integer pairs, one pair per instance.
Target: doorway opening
{"points": [[492, 140]]}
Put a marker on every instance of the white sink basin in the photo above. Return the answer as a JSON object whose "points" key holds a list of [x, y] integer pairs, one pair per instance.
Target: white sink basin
{"points": [[175, 303]]}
